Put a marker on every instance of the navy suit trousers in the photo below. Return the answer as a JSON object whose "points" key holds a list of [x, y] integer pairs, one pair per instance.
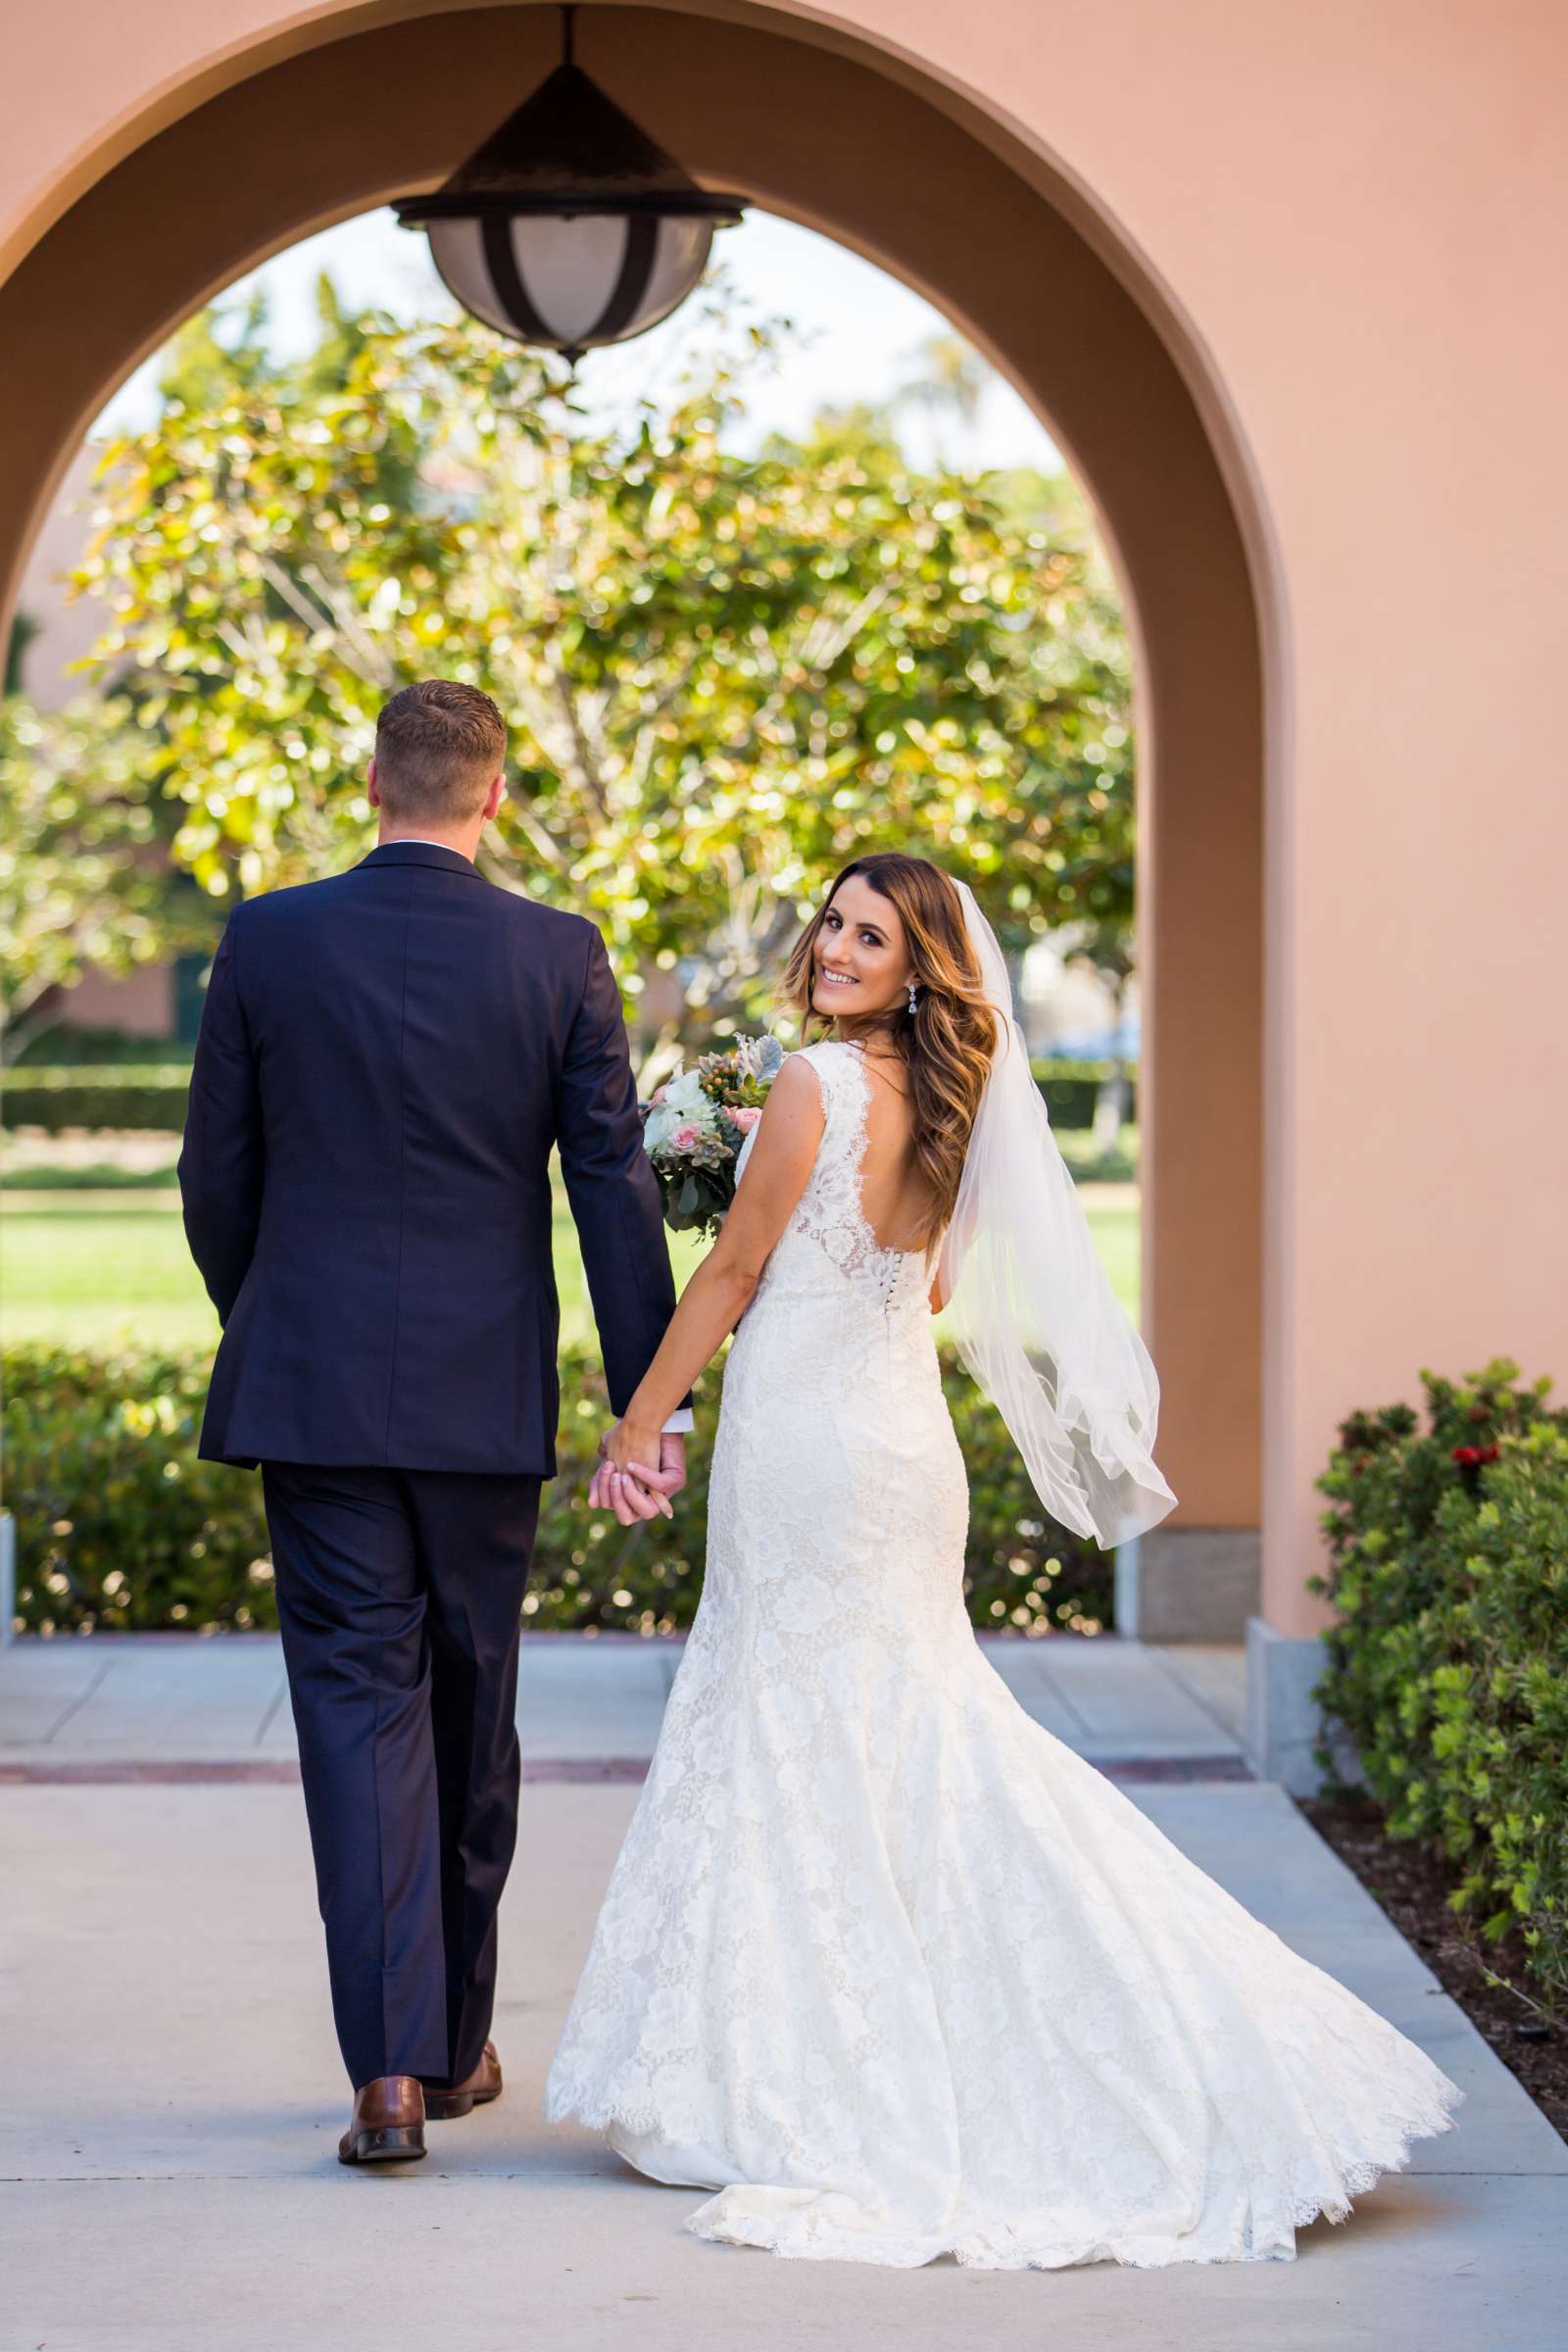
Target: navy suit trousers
{"points": [[400, 1595]]}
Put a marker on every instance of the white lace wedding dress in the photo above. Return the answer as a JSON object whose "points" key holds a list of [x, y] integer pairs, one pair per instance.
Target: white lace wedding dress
{"points": [[881, 1961]]}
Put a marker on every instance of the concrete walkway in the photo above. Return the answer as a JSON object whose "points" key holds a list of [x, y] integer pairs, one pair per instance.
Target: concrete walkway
{"points": [[172, 2092], [154, 1701]]}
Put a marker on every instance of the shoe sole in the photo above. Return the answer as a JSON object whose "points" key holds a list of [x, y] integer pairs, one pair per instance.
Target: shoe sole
{"points": [[388, 2144], [441, 2106]]}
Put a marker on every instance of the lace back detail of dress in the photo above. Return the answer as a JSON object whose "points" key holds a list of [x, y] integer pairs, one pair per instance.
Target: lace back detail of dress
{"points": [[829, 1208]]}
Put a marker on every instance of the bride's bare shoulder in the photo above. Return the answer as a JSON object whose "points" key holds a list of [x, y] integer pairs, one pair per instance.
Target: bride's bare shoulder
{"points": [[797, 1083]]}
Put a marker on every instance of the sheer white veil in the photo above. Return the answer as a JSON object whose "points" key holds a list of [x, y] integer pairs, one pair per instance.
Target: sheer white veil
{"points": [[1029, 1306]]}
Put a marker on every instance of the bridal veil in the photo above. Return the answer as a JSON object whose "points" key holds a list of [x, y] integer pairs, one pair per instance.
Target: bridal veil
{"points": [[1029, 1306]]}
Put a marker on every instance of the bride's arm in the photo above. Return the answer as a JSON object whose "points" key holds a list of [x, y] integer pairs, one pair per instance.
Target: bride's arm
{"points": [[720, 1290]]}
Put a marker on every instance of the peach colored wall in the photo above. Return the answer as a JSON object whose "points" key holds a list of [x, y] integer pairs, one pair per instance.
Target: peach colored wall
{"points": [[1352, 219]]}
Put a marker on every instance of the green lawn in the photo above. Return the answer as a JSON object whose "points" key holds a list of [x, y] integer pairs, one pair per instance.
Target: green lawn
{"points": [[1116, 1238], [35, 1162], [95, 1277]]}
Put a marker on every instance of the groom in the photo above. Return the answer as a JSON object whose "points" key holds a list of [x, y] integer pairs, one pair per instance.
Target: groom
{"points": [[386, 1062]]}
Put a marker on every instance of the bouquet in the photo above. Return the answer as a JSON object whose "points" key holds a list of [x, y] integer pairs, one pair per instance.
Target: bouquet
{"points": [[695, 1125]]}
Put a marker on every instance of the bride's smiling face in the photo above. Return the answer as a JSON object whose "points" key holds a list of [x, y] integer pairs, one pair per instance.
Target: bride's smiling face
{"points": [[861, 960]]}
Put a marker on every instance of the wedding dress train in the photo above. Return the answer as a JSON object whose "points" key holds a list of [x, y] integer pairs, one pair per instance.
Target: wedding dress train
{"points": [[882, 1961]]}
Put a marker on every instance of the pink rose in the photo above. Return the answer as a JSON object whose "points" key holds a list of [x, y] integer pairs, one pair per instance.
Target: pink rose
{"points": [[745, 1120], [684, 1137]]}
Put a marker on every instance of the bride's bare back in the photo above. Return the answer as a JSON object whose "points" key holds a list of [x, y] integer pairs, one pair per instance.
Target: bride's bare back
{"points": [[894, 1198]]}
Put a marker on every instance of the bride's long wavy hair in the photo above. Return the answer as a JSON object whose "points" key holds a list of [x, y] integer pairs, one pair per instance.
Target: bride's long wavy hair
{"points": [[948, 1041]]}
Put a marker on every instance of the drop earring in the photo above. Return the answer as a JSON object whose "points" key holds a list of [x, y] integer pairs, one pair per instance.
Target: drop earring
{"points": [[911, 996]]}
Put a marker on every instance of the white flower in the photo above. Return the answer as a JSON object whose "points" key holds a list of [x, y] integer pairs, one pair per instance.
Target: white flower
{"points": [[683, 1103]]}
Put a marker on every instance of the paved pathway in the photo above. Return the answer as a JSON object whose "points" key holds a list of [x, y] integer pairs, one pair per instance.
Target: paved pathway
{"points": [[172, 2090], [153, 1702]]}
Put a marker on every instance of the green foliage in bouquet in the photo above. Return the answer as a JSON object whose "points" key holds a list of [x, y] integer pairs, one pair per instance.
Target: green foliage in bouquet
{"points": [[1448, 1663], [121, 1528]]}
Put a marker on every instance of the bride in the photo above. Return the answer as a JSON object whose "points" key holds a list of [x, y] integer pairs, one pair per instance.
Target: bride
{"points": [[882, 1962]]}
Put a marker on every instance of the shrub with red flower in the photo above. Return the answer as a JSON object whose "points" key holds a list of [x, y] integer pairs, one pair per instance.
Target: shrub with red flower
{"points": [[1448, 1657]]}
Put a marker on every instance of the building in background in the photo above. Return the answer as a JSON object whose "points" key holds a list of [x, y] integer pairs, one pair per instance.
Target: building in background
{"points": [[1269, 272]]}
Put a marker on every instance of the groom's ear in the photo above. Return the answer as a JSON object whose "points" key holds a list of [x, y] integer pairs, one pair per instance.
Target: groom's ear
{"points": [[493, 798], [372, 787]]}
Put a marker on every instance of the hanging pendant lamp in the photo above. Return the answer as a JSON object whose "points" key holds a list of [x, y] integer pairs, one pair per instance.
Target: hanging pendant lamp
{"points": [[569, 229]]}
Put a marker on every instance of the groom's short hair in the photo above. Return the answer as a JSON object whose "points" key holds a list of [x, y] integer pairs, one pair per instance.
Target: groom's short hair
{"points": [[438, 746]]}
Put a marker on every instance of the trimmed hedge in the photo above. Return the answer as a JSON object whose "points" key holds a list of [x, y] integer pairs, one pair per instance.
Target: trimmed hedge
{"points": [[103, 1096], [100, 1096], [121, 1526], [1072, 1088], [1448, 1664], [64, 1046]]}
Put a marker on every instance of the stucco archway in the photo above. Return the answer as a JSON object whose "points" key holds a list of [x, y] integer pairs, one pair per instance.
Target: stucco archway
{"points": [[861, 145]]}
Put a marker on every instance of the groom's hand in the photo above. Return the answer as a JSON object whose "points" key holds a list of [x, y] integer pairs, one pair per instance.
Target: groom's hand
{"points": [[671, 1461]]}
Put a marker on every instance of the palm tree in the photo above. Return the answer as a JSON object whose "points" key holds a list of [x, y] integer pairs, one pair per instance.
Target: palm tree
{"points": [[949, 385]]}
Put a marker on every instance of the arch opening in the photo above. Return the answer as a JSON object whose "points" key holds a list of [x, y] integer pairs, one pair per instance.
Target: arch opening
{"points": [[922, 181]]}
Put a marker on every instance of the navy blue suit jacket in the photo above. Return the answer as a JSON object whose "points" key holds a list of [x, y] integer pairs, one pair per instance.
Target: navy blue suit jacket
{"points": [[386, 1060]]}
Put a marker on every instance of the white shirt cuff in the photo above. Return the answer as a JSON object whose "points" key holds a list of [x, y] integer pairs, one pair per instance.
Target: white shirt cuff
{"points": [[679, 1422]]}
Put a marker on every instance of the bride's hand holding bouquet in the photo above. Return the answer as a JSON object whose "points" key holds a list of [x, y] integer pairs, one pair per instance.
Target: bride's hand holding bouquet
{"points": [[694, 1128]]}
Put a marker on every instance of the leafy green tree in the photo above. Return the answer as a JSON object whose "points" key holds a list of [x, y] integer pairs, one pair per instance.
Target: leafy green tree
{"points": [[84, 873], [725, 674]]}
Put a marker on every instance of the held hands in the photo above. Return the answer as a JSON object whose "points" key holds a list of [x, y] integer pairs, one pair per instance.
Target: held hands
{"points": [[626, 1480]]}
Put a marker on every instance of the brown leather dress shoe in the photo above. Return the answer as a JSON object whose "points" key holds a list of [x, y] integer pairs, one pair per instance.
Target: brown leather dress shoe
{"points": [[387, 2126], [476, 2090]]}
